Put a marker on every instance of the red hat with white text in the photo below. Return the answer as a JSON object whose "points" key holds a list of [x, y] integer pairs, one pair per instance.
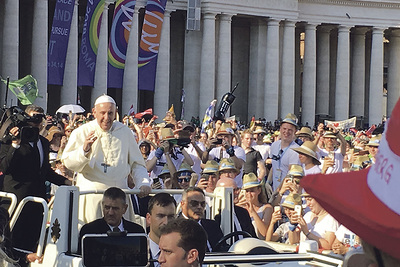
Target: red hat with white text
{"points": [[368, 201]]}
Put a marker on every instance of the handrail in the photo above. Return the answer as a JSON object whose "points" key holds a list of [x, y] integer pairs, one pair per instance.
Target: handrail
{"points": [[13, 201], [44, 221]]}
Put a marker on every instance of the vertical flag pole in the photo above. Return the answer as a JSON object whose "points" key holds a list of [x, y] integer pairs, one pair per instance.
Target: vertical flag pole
{"points": [[8, 82]]}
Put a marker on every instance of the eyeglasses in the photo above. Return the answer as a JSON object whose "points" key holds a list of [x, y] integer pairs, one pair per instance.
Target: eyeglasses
{"points": [[292, 178], [195, 203], [186, 179], [277, 157]]}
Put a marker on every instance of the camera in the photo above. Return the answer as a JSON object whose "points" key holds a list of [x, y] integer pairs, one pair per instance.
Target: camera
{"points": [[16, 117]]}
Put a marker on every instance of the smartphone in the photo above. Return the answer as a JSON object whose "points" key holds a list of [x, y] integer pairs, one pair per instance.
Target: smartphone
{"points": [[297, 209], [331, 154], [277, 208]]}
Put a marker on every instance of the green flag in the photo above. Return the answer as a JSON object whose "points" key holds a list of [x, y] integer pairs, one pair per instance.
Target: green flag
{"points": [[24, 89]]}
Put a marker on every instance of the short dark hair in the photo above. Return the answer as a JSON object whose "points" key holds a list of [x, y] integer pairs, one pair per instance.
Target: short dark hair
{"points": [[193, 236], [161, 199], [192, 189], [115, 193], [34, 108]]}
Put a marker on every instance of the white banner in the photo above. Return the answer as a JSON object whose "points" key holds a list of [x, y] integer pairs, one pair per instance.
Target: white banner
{"points": [[345, 124]]}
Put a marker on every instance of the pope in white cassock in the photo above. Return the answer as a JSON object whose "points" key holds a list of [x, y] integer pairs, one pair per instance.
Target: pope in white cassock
{"points": [[104, 153]]}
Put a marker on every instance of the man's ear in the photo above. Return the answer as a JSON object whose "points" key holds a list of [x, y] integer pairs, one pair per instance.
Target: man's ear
{"points": [[125, 208], [148, 219], [94, 111], [192, 256]]}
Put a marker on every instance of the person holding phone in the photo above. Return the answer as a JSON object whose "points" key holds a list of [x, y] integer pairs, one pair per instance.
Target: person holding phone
{"points": [[285, 232], [332, 157]]}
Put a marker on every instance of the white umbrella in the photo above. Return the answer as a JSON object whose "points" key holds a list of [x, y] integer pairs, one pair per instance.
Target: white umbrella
{"points": [[70, 108]]}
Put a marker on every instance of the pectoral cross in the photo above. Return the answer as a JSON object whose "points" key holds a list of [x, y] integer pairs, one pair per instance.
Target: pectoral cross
{"points": [[105, 165]]}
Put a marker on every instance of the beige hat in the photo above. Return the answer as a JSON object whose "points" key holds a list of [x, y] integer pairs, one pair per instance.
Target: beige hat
{"points": [[52, 131], [292, 119], [295, 170], [167, 134], [165, 170], [267, 139], [225, 128], [227, 164], [292, 200], [259, 129], [308, 148], [360, 162], [185, 168], [211, 167], [329, 134], [374, 141], [250, 180], [305, 131]]}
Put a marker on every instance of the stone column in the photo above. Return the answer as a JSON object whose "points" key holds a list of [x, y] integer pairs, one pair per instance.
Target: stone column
{"points": [[376, 77], [100, 73], [39, 48], [161, 94], [224, 56], [10, 48], [288, 70], [130, 82], [393, 70], [271, 96], [69, 92], [191, 77], [342, 92], [357, 92], [258, 42], [309, 75], [207, 64], [323, 69]]}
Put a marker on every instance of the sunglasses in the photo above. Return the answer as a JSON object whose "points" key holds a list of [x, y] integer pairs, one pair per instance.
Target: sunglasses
{"points": [[195, 203], [186, 179], [291, 178]]}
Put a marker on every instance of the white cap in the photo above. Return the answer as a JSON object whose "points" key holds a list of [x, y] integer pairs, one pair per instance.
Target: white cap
{"points": [[104, 99]]}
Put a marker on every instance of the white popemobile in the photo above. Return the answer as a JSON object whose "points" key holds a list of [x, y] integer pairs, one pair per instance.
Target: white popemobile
{"points": [[59, 238]]}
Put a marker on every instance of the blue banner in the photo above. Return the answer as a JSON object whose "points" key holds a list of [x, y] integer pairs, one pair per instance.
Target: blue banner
{"points": [[58, 43], [149, 44], [90, 42], [119, 37]]}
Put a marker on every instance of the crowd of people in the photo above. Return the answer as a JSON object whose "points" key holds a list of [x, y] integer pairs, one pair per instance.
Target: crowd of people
{"points": [[264, 166]]}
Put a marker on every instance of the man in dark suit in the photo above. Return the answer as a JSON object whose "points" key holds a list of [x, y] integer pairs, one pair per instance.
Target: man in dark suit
{"points": [[193, 206], [241, 217], [25, 165], [114, 207]]}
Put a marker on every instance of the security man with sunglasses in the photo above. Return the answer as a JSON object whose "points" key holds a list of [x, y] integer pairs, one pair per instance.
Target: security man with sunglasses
{"points": [[193, 206]]}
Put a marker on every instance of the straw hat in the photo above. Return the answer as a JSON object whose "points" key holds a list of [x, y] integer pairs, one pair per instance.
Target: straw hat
{"points": [[374, 141], [308, 148], [165, 170], [167, 134], [250, 180], [329, 134], [292, 200], [360, 162], [292, 119], [225, 128], [185, 168], [267, 139], [367, 202], [211, 167], [52, 131], [295, 170], [259, 129], [227, 164], [305, 131]]}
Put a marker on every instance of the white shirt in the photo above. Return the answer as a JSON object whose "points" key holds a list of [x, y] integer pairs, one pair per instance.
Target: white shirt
{"points": [[155, 251], [338, 161]]}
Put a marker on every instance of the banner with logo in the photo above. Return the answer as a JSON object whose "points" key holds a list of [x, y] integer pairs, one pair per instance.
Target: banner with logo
{"points": [[90, 42], [345, 124], [149, 44], [58, 43], [119, 37], [25, 89]]}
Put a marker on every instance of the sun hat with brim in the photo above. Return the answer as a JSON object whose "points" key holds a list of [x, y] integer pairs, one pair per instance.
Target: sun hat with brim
{"points": [[259, 129], [295, 170], [211, 167], [374, 141], [360, 162], [267, 139], [185, 168], [144, 142], [167, 134], [367, 202], [329, 134], [52, 131], [305, 132], [308, 148], [292, 119], [227, 164], [225, 128], [292, 200], [250, 180], [164, 170]]}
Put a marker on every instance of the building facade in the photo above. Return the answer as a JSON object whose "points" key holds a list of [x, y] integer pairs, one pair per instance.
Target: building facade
{"points": [[316, 58]]}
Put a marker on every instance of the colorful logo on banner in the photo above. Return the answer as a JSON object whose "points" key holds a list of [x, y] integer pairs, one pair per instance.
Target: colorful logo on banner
{"points": [[90, 42], [58, 43], [119, 37], [149, 44]]}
